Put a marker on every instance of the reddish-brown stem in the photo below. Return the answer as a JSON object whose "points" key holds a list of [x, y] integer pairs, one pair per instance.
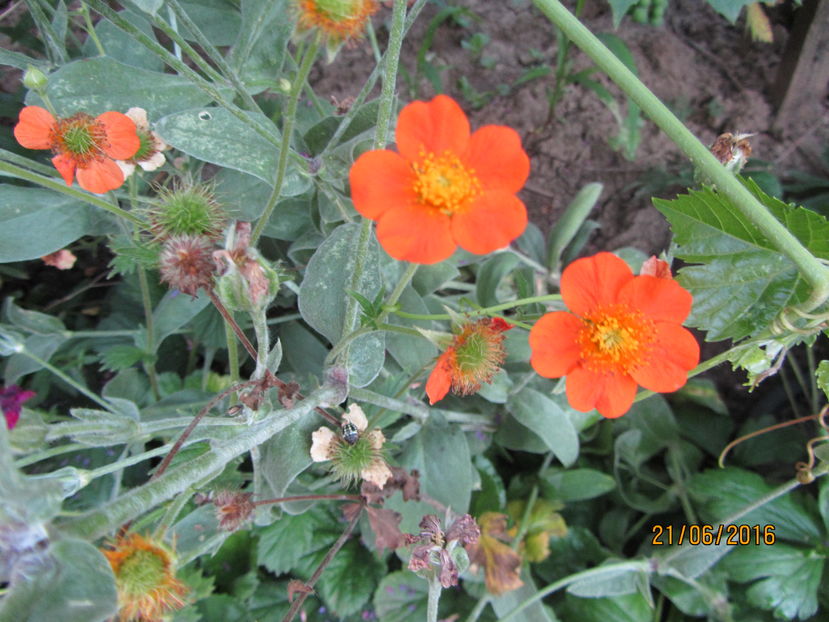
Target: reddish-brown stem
{"points": [[231, 322], [323, 564], [192, 426], [356, 498]]}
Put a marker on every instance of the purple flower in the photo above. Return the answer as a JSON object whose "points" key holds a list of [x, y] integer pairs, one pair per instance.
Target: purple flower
{"points": [[11, 399]]}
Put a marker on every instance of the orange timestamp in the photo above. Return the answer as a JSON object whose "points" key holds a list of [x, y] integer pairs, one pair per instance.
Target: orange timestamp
{"points": [[712, 534]]}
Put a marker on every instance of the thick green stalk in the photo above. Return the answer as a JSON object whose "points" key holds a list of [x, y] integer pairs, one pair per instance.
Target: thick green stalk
{"points": [[59, 186], [90, 29], [287, 136], [433, 598], [484, 311], [812, 270], [102, 520], [149, 366]]}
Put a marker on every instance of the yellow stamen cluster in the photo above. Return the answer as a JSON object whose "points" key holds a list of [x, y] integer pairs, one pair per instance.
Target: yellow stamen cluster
{"points": [[442, 182], [615, 339]]}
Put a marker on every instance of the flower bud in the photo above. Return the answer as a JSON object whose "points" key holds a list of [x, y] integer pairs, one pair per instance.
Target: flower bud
{"points": [[187, 263], [34, 79], [187, 209]]}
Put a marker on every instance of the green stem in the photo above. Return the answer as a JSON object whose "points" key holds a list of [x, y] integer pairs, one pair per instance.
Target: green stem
{"points": [[112, 467], [384, 112], [90, 29], [810, 267], [433, 598], [482, 311], [59, 186], [49, 453], [98, 522], [70, 381], [260, 329], [476, 612], [171, 513], [55, 48], [149, 366], [287, 136], [232, 354]]}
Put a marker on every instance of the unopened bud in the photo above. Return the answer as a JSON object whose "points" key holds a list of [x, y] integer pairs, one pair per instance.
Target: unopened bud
{"points": [[285, 85], [34, 79]]}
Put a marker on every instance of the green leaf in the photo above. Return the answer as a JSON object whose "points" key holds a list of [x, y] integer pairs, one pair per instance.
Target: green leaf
{"points": [[440, 453], [79, 584], [22, 61], [693, 560], [628, 608], [566, 228], [620, 8], [746, 282], [363, 121], [32, 321], [174, 311], [490, 275], [123, 47], [215, 135], [42, 346], [575, 484], [96, 85], [259, 52], [401, 597], [350, 579], [729, 9], [790, 578], [723, 492], [285, 542], [120, 357], [411, 353], [492, 496], [429, 279], [219, 20], [612, 582], [822, 377], [552, 424], [35, 222], [323, 301], [508, 601]]}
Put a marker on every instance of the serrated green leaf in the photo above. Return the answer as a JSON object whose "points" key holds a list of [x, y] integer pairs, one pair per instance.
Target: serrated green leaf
{"points": [[344, 590], [723, 492], [401, 597], [544, 417], [284, 543], [790, 577], [121, 357], [440, 452], [95, 85]]}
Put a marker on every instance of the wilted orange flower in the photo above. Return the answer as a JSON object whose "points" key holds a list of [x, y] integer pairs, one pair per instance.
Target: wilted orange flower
{"points": [[445, 188], [145, 578], [473, 357], [82, 144], [501, 564], [622, 330], [338, 20]]}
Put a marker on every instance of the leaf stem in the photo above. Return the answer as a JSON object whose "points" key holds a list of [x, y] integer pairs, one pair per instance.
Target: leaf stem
{"points": [[482, 311], [435, 589], [810, 267], [59, 186], [289, 119]]}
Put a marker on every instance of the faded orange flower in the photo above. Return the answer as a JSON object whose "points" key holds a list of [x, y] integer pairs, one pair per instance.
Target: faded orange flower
{"points": [[473, 357], [622, 330], [336, 20], [84, 145], [145, 579]]}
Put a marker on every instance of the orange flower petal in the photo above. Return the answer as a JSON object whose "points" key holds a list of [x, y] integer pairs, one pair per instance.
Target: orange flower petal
{"points": [[122, 139], [415, 233], [493, 221], [594, 281], [434, 127], [617, 397], [34, 129], [381, 180], [553, 344], [100, 176], [499, 161], [675, 353], [440, 380], [663, 300], [66, 167], [610, 394]]}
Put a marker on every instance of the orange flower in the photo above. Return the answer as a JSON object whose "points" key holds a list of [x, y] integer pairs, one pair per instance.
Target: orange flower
{"points": [[445, 188], [82, 143], [473, 357], [624, 330], [338, 20]]}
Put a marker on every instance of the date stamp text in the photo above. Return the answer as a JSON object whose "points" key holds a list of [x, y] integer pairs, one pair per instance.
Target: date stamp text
{"points": [[667, 535]]}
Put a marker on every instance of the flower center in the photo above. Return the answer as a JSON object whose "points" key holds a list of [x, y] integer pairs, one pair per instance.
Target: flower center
{"points": [[142, 572], [146, 147], [615, 339], [81, 137], [444, 183]]}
